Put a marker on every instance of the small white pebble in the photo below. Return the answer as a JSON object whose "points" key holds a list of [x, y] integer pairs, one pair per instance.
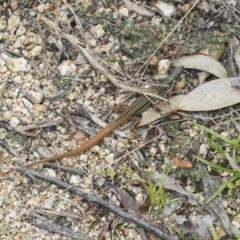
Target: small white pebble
{"points": [[74, 179], [14, 122], [21, 30], [95, 149], [153, 151], [167, 9], [51, 172], [98, 31], [7, 115], [124, 12], [49, 204], [40, 8], [84, 157], [110, 158], [67, 68], [139, 198]]}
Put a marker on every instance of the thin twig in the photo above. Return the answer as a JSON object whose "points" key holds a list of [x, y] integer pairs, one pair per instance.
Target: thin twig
{"points": [[99, 201], [53, 227]]}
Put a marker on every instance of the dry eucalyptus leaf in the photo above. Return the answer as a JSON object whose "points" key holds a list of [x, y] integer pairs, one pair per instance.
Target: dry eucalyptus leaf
{"points": [[215, 51], [237, 57], [149, 116], [202, 62], [211, 96], [162, 109], [172, 104], [236, 83], [137, 8]]}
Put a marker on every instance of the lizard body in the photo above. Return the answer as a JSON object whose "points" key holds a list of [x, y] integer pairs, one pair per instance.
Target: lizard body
{"points": [[138, 106]]}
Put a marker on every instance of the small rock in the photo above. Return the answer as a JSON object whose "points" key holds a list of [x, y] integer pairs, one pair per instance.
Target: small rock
{"points": [[13, 22], [92, 42], [49, 204], [12, 37], [95, 149], [51, 173], [14, 5], [35, 201], [17, 64], [21, 42], [167, 9], [35, 51], [3, 69], [110, 158], [32, 13], [2, 23], [67, 68], [83, 158], [2, 62], [4, 56], [40, 8], [21, 30], [74, 179], [34, 38], [98, 31], [37, 96], [153, 151], [124, 12], [203, 150], [14, 122], [80, 59], [163, 66], [40, 108], [7, 115]]}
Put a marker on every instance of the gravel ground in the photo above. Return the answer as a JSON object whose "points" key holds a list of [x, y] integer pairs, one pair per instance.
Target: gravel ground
{"points": [[47, 79]]}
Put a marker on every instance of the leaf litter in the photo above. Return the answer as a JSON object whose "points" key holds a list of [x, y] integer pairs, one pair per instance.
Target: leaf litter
{"points": [[194, 100]]}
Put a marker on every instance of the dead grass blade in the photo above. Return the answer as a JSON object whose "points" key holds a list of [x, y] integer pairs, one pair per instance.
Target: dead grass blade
{"points": [[93, 59]]}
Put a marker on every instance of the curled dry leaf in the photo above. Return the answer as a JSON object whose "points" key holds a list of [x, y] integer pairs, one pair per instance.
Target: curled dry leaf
{"points": [[202, 62], [211, 96], [178, 163]]}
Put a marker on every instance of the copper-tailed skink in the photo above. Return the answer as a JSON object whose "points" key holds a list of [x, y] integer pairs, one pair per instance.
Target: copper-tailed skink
{"points": [[138, 106]]}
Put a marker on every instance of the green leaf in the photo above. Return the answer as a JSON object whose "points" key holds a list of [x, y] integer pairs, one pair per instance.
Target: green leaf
{"points": [[224, 27], [103, 13], [215, 166], [226, 140], [215, 145], [111, 172], [80, 13], [222, 187], [235, 142], [111, 16], [90, 8], [95, 21]]}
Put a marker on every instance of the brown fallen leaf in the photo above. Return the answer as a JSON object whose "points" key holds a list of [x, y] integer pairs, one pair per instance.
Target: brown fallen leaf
{"points": [[145, 205], [153, 65], [127, 201], [40, 108], [150, 134], [178, 163]]}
